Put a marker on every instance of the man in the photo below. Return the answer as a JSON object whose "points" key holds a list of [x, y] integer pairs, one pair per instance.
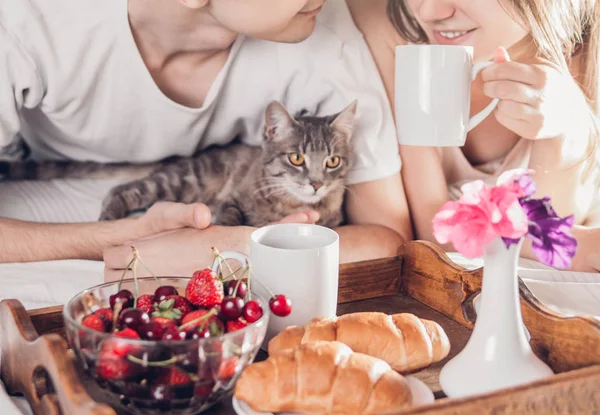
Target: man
{"points": [[141, 80]]}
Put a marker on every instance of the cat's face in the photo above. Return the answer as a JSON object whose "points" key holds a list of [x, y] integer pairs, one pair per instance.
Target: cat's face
{"points": [[308, 157]]}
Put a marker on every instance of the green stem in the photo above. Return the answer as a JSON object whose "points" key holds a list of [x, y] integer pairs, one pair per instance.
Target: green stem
{"points": [[144, 362], [240, 280], [220, 258], [190, 323], [125, 272], [135, 284], [148, 269], [116, 312], [265, 287]]}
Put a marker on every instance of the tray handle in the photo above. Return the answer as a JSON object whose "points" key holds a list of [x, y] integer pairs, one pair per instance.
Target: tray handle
{"points": [[40, 367]]}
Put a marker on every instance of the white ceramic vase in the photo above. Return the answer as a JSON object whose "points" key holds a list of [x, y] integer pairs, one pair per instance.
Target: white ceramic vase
{"points": [[497, 354]]}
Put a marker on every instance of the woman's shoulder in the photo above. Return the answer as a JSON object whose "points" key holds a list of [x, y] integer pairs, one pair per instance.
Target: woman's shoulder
{"points": [[380, 35], [372, 20]]}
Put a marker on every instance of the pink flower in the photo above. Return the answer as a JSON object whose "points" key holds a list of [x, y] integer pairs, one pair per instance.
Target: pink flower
{"points": [[480, 215], [518, 181]]}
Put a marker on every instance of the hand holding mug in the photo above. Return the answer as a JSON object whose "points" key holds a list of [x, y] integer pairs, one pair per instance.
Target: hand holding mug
{"points": [[536, 100]]}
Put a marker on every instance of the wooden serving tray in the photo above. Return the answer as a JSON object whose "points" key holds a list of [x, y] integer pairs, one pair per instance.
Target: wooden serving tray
{"points": [[420, 280]]}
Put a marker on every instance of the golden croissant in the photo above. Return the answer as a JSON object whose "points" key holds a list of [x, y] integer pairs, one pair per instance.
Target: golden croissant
{"points": [[406, 342], [323, 378]]}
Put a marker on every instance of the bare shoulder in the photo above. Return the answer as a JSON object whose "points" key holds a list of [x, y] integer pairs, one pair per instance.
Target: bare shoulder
{"points": [[371, 19], [380, 35]]}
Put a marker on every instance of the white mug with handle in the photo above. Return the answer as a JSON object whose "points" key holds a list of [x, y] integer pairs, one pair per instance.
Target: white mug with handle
{"points": [[433, 95], [300, 261]]}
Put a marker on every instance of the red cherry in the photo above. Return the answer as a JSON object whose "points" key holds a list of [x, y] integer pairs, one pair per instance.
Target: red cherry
{"points": [[280, 305], [163, 292], [123, 296], [231, 308], [242, 288], [151, 331], [252, 311], [133, 318], [173, 333]]}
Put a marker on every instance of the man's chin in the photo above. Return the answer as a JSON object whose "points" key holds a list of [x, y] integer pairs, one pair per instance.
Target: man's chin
{"points": [[296, 33]]}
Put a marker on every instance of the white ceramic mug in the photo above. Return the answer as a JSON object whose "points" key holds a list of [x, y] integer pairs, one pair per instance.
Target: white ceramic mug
{"points": [[298, 260], [433, 95]]}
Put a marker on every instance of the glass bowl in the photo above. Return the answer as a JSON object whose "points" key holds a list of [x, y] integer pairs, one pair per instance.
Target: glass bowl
{"points": [[166, 377]]}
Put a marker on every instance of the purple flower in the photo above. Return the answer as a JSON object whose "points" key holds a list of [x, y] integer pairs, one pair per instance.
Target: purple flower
{"points": [[550, 235], [519, 181]]}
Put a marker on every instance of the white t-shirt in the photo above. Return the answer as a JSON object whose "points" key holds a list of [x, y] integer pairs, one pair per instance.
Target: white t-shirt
{"points": [[73, 85]]}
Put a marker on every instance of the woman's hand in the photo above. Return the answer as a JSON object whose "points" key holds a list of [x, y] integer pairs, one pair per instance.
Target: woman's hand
{"points": [[536, 100]]}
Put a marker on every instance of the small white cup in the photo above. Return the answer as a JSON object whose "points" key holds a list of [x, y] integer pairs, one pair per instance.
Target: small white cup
{"points": [[433, 95], [298, 260]]}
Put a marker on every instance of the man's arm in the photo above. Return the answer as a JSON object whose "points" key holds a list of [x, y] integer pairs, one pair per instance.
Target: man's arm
{"points": [[27, 241], [379, 220], [377, 210]]}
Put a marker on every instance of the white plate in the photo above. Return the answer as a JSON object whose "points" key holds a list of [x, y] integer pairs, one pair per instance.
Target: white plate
{"points": [[422, 395]]}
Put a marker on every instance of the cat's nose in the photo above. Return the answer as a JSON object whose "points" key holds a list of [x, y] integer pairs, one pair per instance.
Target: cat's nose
{"points": [[316, 185]]}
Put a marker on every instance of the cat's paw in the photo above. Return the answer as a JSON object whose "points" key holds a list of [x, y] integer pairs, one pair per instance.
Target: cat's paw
{"points": [[113, 208]]}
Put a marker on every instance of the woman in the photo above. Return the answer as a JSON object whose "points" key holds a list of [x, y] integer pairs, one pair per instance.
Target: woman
{"points": [[547, 81]]}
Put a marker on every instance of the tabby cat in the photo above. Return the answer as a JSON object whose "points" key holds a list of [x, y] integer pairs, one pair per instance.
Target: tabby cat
{"points": [[301, 165]]}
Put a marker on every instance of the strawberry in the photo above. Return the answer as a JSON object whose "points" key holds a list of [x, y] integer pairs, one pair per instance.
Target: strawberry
{"points": [[128, 334], [94, 322], [204, 289], [233, 325], [181, 303], [107, 315], [193, 316], [146, 303], [120, 348], [173, 376], [227, 368], [163, 321], [112, 367], [173, 307]]}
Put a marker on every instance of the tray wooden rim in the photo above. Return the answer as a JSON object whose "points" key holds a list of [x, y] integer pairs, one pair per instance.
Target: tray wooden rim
{"points": [[409, 273]]}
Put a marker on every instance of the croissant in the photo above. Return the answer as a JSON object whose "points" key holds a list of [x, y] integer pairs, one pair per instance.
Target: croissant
{"points": [[323, 378], [406, 342]]}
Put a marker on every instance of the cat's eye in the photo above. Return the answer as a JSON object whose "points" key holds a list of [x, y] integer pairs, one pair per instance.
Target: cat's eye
{"points": [[296, 159], [333, 162]]}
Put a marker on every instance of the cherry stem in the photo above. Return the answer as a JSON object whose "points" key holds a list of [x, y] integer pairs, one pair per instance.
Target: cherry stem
{"points": [[240, 281], [146, 266], [125, 272], [145, 362], [135, 281], [232, 275], [262, 285], [190, 323], [116, 312], [217, 254]]}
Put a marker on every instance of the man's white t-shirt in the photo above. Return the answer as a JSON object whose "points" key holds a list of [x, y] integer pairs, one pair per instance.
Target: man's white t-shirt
{"points": [[73, 85]]}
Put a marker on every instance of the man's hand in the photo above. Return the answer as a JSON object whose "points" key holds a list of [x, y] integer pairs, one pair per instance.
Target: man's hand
{"points": [[27, 241], [180, 253]]}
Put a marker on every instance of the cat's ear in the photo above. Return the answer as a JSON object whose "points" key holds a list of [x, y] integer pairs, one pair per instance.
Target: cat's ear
{"points": [[344, 122], [278, 121]]}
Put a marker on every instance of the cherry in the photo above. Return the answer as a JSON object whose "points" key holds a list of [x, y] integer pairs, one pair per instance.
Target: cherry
{"points": [[163, 292], [280, 305], [252, 311], [133, 318], [151, 331], [124, 296], [242, 288], [172, 333], [231, 308]]}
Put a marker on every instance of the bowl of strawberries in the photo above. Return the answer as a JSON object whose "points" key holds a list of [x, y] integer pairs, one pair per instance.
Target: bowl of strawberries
{"points": [[169, 344]]}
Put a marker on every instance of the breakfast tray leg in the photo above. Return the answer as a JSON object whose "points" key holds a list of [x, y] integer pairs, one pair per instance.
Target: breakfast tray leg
{"points": [[39, 367]]}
